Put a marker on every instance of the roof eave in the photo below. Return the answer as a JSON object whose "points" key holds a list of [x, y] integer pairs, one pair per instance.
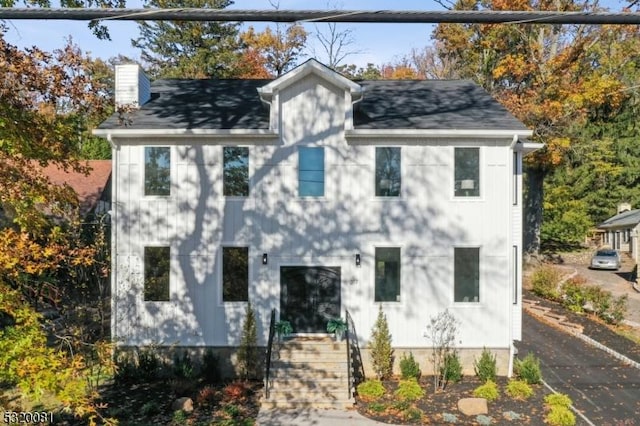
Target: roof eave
{"points": [[358, 134], [191, 133]]}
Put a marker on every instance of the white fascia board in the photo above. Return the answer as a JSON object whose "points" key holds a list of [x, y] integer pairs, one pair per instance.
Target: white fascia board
{"points": [[191, 133], [357, 134], [311, 66], [529, 147]]}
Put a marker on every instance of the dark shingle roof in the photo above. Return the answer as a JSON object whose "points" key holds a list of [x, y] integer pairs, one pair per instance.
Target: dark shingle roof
{"points": [[430, 104], [199, 104], [387, 104], [627, 219]]}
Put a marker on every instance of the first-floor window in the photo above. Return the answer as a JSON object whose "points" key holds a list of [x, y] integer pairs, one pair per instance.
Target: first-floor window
{"points": [[387, 274], [156, 274], [466, 274], [235, 274]]}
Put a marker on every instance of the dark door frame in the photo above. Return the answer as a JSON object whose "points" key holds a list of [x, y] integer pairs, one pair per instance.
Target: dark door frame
{"points": [[311, 301]]}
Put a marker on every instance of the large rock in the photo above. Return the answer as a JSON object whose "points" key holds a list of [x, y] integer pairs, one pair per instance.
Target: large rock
{"points": [[473, 406], [185, 404]]}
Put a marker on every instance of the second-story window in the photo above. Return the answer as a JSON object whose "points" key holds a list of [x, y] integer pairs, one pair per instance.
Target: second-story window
{"points": [[311, 172], [388, 172], [236, 171], [157, 170], [467, 172]]}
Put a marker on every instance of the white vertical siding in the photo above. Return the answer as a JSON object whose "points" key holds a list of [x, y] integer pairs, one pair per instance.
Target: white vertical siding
{"points": [[426, 222], [132, 85]]}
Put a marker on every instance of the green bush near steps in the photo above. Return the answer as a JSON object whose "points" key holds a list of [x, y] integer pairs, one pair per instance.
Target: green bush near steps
{"points": [[409, 367], [409, 390], [371, 390]]}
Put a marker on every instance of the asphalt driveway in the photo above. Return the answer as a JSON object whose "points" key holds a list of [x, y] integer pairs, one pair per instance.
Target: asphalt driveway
{"points": [[605, 390]]}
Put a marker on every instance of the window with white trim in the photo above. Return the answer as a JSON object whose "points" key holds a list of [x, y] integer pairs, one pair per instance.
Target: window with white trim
{"points": [[235, 274], [466, 274], [310, 172], [235, 174], [387, 272], [388, 172], [467, 172], [157, 170], [157, 270]]}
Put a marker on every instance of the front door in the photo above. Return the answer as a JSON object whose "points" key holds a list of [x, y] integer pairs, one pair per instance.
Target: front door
{"points": [[309, 297]]}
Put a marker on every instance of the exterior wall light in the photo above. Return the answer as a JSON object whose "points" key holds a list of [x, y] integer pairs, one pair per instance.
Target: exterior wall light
{"points": [[265, 258], [358, 260]]}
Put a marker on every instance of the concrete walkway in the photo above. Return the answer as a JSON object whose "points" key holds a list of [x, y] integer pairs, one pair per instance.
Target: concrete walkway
{"points": [[312, 417]]}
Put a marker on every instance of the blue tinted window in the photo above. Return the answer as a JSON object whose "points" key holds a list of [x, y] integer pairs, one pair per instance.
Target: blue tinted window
{"points": [[311, 172]]}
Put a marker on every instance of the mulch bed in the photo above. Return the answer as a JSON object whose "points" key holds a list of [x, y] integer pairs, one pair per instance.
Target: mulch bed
{"points": [[432, 408], [592, 327]]}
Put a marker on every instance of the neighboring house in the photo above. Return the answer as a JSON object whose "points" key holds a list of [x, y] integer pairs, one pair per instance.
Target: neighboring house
{"points": [[313, 194], [620, 232], [93, 189]]}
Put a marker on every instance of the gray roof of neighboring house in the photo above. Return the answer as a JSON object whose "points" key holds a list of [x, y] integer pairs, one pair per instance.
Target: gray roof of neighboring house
{"points": [[387, 104], [627, 219]]}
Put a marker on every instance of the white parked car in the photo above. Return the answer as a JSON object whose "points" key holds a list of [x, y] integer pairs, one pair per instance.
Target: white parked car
{"points": [[606, 259]]}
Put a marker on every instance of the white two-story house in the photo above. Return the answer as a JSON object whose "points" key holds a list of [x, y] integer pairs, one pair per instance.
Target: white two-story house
{"points": [[312, 194]]}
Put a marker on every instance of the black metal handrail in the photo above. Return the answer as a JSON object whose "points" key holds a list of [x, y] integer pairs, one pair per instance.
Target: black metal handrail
{"points": [[355, 369], [267, 362]]}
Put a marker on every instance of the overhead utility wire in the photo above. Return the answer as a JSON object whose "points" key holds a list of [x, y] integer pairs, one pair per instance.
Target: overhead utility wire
{"points": [[351, 16]]}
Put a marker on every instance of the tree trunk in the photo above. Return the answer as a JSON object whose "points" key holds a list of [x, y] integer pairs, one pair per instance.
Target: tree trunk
{"points": [[533, 197]]}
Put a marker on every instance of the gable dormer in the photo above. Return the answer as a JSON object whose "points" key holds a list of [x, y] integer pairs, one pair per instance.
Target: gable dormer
{"points": [[270, 93]]}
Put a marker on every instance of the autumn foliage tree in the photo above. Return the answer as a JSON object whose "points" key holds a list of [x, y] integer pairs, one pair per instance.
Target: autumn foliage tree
{"points": [[276, 50], [45, 99], [552, 77]]}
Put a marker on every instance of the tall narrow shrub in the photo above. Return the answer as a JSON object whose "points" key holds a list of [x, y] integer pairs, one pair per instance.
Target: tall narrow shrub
{"points": [[442, 333], [380, 347], [248, 350]]}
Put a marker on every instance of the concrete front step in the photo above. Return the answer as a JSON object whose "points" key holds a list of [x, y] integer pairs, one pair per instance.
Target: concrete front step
{"points": [[308, 373], [332, 356], [313, 384], [298, 404], [317, 394], [319, 364]]}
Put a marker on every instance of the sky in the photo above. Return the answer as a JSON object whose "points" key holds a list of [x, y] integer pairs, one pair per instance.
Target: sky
{"points": [[376, 43]]}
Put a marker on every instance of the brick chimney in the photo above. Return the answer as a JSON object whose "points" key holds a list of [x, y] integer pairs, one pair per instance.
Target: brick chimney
{"points": [[133, 87]]}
